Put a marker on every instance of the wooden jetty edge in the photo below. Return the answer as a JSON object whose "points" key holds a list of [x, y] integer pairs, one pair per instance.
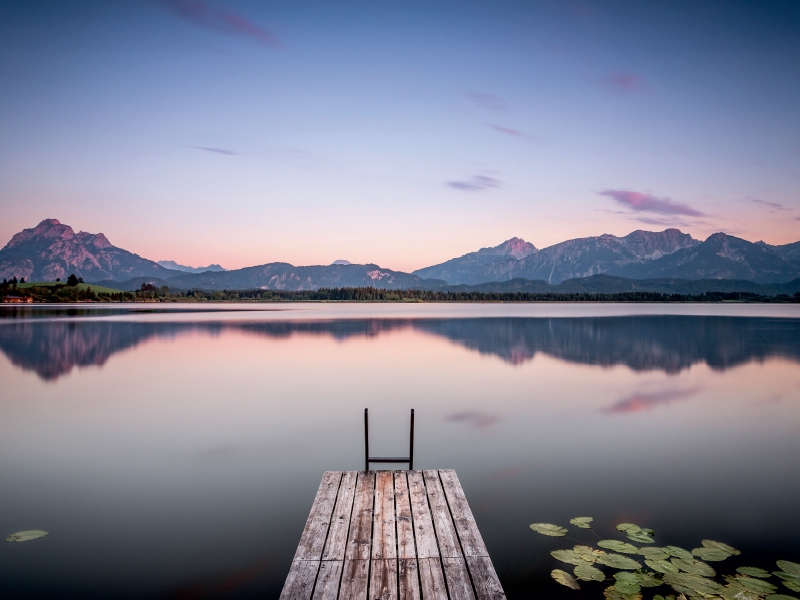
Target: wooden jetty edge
{"points": [[391, 535]]}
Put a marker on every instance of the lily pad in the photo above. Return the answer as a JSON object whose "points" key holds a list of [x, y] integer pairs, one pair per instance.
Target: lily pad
{"points": [[695, 567], [586, 572], [626, 527], [643, 537], [702, 585], [549, 529], [662, 566], [26, 536], [618, 546], [653, 553], [759, 586], [788, 567], [792, 584], [734, 592], [711, 554], [587, 553], [678, 552], [753, 572], [614, 593], [617, 561], [582, 522], [568, 556], [780, 597], [565, 578], [724, 547]]}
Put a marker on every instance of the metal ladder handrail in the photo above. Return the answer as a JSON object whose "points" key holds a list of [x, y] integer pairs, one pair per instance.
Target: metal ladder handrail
{"points": [[387, 459]]}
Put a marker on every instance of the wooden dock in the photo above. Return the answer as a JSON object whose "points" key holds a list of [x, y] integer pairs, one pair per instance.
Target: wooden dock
{"points": [[391, 535]]}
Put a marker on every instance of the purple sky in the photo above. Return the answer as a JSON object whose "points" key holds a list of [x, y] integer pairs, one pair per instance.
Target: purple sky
{"points": [[401, 133]]}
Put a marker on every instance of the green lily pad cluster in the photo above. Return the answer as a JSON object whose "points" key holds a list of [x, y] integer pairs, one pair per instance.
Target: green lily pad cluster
{"points": [[687, 573]]}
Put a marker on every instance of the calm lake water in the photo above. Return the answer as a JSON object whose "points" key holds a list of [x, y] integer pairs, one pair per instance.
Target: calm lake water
{"points": [[175, 453]]}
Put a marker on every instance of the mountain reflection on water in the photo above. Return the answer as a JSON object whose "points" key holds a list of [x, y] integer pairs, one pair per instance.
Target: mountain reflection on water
{"points": [[643, 343]]}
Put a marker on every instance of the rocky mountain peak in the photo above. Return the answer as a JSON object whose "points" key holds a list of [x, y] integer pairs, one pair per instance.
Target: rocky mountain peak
{"points": [[515, 247]]}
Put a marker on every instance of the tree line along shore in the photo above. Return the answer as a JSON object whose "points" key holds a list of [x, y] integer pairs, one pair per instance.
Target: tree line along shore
{"points": [[75, 290]]}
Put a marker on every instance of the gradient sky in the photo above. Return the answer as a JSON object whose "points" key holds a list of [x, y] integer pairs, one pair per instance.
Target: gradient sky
{"points": [[400, 133]]}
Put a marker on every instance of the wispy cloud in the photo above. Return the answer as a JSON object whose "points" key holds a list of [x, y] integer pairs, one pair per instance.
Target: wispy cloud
{"points": [[641, 402], [512, 132], [477, 182], [217, 150], [487, 101], [647, 202], [666, 222], [770, 206], [626, 82], [476, 418], [222, 21]]}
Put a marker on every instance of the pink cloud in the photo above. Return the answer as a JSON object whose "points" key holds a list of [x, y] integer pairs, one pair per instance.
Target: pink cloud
{"points": [[646, 202], [626, 82], [222, 21], [487, 101], [477, 182], [771, 206], [511, 132]]}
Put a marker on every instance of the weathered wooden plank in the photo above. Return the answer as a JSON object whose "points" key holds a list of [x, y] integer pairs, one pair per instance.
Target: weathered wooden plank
{"points": [[316, 530], [421, 515], [383, 579], [457, 577], [300, 581], [340, 522], [328, 578], [408, 579], [484, 578], [405, 526], [384, 540], [468, 534], [360, 536], [442, 521], [355, 580], [431, 579]]}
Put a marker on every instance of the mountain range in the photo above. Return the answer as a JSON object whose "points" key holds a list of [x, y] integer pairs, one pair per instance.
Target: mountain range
{"points": [[52, 250]]}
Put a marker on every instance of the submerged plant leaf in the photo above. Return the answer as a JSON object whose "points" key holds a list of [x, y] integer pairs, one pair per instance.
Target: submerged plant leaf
{"points": [[695, 567], [565, 578], [788, 567], [549, 529], [680, 581], [586, 572], [661, 565], [617, 561], [568, 556], [780, 597], [724, 547], [618, 546], [653, 553], [582, 522], [753, 572], [26, 536], [711, 554], [678, 552]]}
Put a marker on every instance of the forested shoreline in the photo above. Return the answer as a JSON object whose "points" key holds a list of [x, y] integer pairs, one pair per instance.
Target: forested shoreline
{"points": [[65, 293]]}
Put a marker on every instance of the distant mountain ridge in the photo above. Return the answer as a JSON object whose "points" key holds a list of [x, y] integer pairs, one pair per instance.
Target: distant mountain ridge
{"points": [[52, 250], [171, 264]]}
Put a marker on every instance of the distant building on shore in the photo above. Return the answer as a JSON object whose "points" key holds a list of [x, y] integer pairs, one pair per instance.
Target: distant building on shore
{"points": [[17, 299]]}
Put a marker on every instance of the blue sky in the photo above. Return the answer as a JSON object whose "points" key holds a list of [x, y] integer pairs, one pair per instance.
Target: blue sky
{"points": [[401, 133]]}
